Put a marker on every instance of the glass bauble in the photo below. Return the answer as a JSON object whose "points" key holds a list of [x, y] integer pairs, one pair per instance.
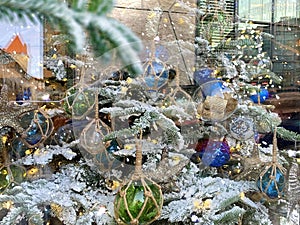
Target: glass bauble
{"points": [[91, 138], [80, 101], [272, 182], [19, 149], [155, 75], [37, 125], [203, 75], [216, 101], [263, 95], [138, 202], [11, 174], [242, 128], [213, 152]]}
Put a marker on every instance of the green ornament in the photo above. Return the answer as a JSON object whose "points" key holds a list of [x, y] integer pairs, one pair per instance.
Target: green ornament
{"points": [[80, 100], [4, 179], [138, 202], [11, 174]]}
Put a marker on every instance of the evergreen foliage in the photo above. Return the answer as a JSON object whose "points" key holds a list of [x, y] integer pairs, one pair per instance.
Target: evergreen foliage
{"points": [[81, 17], [75, 192]]}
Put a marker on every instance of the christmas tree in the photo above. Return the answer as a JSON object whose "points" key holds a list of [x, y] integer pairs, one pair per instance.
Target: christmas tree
{"points": [[128, 144]]}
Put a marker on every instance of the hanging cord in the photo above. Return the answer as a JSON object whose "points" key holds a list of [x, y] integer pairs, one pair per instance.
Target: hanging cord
{"points": [[96, 106], [139, 156], [274, 152]]}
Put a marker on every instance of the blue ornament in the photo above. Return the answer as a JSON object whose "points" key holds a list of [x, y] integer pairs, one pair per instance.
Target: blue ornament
{"points": [[18, 148], [33, 135], [272, 182], [214, 153], [203, 75], [37, 127], [263, 94], [156, 75], [113, 146], [27, 94], [64, 134], [214, 88]]}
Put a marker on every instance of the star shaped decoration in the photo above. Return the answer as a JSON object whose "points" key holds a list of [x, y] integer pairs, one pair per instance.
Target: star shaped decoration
{"points": [[9, 114]]}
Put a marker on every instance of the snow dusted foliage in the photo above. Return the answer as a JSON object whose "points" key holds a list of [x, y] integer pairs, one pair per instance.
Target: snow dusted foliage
{"points": [[65, 194], [211, 201], [45, 155]]}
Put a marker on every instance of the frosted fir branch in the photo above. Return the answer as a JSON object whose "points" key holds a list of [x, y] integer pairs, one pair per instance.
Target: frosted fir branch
{"points": [[45, 155], [57, 64], [16, 213], [287, 134], [148, 114], [122, 112], [223, 194], [34, 215], [229, 217], [66, 192], [11, 192], [222, 203], [174, 111], [57, 67], [13, 216], [121, 133], [268, 75]]}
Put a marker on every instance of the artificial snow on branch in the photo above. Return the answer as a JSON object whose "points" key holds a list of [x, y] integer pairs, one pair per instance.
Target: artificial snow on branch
{"points": [[147, 116], [65, 193]]}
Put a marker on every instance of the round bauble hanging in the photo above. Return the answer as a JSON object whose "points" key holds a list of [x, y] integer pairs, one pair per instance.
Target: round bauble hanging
{"points": [[259, 96], [176, 96], [11, 174], [213, 153], [155, 75], [19, 148], [272, 182], [203, 75], [91, 137], [37, 126], [138, 202], [80, 101], [64, 134], [241, 128], [216, 101]]}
